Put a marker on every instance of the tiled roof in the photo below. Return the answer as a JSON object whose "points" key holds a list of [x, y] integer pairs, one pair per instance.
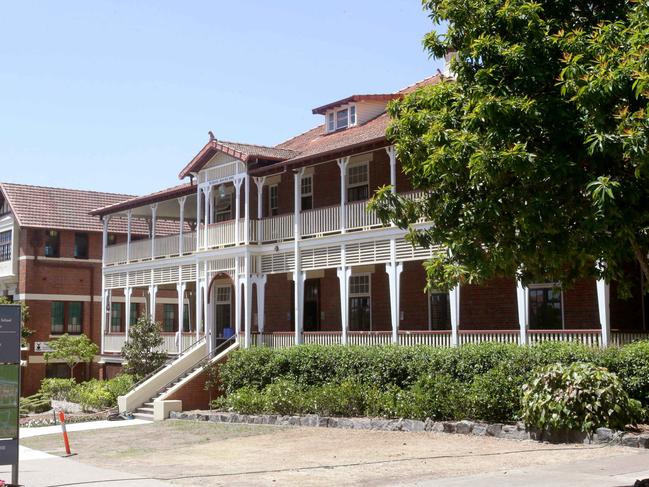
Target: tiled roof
{"points": [[64, 209], [250, 150], [379, 97], [137, 201]]}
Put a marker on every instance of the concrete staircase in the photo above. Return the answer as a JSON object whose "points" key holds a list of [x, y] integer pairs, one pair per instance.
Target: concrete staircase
{"points": [[146, 410]]}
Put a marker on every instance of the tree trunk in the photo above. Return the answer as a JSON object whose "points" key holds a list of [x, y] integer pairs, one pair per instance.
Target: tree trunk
{"points": [[641, 257]]}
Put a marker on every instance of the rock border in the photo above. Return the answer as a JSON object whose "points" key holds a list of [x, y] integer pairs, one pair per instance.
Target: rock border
{"points": [[515, 431]]}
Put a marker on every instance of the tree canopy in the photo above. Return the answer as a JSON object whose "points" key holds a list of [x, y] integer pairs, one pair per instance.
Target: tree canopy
{"points": [[534, 156], [143, 351], [73, 350]]}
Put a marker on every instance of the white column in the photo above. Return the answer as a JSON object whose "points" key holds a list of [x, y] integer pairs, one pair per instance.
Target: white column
{"points": [[208, 306], [199, 302], [394, 269], [198, 220], [247, 315], [344, 273], [342, 164], [237, 299], [298, 275], [237, 210], [246, 215], [105, 300], [129, 219], [180, 287], [153, 292], [260, 195], [604, 309], [260, 283], [454, 298], [104, 238], [522, 300], [128, 292], [208, 197], [181, 243], [104, 245], [392, 154], [154, 212]]}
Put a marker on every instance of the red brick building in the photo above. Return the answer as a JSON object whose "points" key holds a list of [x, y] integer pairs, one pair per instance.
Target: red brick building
{"points": [[50, 258]]}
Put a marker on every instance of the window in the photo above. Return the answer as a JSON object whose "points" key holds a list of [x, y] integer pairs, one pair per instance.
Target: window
{"points": [[4, 207], [5, 246], [342, 119], [112, 239], [273, 200], [358, 182], [57, 371], [66, 318], [352, 115], [186, 317], [135, 313], [360, 315], [57, 318], [74, 318], [307, 192], [80, 245], [545, 307], [223, 320], [51, 243], [116, 318], [169, 318], [440, 311], [330, 122], [223, 208]]}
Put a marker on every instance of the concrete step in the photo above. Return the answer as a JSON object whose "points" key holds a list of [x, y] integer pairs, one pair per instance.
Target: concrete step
{"points": [[148, 410], [149, 404], [146, 417]]}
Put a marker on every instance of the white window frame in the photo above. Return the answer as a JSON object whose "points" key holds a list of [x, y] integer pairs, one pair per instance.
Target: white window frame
{"points": [[331, 119], [307, 177], [229, 194], [361, 295], [546, 285], [218, 301], [271, 188], [350, 166]]}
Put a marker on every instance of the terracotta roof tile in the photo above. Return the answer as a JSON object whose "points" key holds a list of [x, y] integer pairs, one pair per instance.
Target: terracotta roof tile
{"points": [[64, 209], [137, 201]]}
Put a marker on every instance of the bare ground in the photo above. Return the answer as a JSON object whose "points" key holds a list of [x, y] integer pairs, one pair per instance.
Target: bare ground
{"points": [[208, 454]]}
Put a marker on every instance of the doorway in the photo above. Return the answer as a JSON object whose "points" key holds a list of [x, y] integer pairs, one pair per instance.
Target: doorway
{"points": [[312, 305]]}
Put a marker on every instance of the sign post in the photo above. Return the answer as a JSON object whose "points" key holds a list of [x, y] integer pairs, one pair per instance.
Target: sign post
{"points": [[10, 319]]}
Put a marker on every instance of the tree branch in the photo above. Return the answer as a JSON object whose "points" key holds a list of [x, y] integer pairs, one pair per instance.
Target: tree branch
{"points": [[641, 257]]}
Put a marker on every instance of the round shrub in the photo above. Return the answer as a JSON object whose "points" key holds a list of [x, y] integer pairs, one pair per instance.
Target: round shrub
{"points": [[495, 395], [578, 396], [57, 389], [631, 364], [433, 396]]}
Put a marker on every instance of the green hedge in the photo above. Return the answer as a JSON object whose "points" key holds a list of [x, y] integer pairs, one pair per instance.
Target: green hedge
{"points": [[475, 381], [91, 395]]}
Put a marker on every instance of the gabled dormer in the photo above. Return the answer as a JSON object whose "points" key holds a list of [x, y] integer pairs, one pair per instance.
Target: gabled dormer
{"points": [[353, 110]]}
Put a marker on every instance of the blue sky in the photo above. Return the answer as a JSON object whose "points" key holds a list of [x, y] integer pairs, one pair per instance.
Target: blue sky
{"points": [[119, 95]]}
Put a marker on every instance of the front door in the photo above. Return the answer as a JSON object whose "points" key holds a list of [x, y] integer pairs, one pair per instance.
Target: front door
{"points": [[222, 313], [312, 305]]}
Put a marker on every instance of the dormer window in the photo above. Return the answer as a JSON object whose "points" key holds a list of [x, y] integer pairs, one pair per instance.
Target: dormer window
{"points": [[341, 119]]}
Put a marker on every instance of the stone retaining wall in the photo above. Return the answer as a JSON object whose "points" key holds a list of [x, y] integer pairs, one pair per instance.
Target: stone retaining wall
{"points": [[497, 430]]}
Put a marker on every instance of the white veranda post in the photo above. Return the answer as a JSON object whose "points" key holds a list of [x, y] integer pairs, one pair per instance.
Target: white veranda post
{"points": [[298, 275], [454, 298], [128, 292], [342, 164], [522, 301], [180, 287], [394, 269], [344, 273]]}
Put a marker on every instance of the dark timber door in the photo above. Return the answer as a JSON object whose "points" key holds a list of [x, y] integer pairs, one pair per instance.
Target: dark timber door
{"points": [[312, 305]]}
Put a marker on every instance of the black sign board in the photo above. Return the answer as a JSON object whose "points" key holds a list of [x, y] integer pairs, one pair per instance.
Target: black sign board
{"points": [[8, 452], [10, 334]]}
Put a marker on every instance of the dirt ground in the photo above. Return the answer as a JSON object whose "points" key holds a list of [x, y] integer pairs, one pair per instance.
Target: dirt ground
{"points": [[208, 454]]}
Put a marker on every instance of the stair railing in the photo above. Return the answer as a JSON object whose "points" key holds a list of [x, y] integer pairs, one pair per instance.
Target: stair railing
{"points": [[166, 363], [202, 362]]}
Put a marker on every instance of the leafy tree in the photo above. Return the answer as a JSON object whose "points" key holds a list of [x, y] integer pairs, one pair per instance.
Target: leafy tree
{"points": [[25, 332], [509, 152], [73, 350], [143, 350]]}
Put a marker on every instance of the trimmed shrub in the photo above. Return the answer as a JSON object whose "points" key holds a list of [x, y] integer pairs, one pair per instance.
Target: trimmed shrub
{"points": [[36, 403], [579, 396], [631, 364], [438, 397], [57, 389], [495, 395]]}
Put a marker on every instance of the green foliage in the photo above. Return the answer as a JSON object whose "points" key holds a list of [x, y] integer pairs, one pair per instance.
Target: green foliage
{"points": [[57, 389], [579, 396], [482, 381], [534, 158], [36, 403], [143, 351], [73, 350]]}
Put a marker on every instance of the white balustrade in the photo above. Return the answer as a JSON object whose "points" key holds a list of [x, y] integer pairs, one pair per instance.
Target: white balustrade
{"points": [[167, 246], [466, 337], [113, 342], [322, 338], [115, 254], [359, 218], [141, 249], [274, 340], [220, 234], [371, 338], [619, 338], [320, 221], [429, 338], [587, 337], [189, 242], [276, 228]]}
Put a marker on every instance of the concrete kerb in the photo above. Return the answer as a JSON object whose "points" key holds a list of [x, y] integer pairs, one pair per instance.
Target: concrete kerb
{"points": [[516, 431]]}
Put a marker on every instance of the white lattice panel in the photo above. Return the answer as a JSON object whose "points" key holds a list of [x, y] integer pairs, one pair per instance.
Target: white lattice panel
{"points": [[188, 272], [116, 280], [362, 253], [166, 275], [405, 251], [323, 258], [221, 265], [276, 263], [140, 278]]}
